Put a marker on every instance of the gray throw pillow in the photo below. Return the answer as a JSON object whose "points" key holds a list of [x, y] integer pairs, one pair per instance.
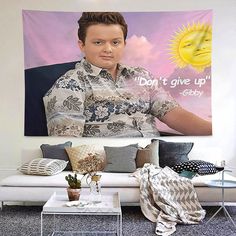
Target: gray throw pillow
{"points": [[57, 152], [121, 159], [173, 153]]}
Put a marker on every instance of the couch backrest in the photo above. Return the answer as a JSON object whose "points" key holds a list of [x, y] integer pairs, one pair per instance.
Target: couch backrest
{"points": [[210, 154], [30, 154]]}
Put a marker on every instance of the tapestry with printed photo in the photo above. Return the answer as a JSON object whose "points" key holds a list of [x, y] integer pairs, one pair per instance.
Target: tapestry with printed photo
{"points": [[127, 74]]}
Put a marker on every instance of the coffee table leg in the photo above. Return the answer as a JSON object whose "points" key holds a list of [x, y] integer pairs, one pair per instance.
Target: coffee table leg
{"points": [[117, 224], [1, 205], [41, 225], [54, 225], [120, 224]]}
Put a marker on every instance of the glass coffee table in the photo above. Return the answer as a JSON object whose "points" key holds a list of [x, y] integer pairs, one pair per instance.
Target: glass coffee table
{"points": [[222, 184], [58, 204]]}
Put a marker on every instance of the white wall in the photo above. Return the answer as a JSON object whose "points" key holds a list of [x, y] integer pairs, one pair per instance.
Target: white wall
{"points": [[12, 72]]}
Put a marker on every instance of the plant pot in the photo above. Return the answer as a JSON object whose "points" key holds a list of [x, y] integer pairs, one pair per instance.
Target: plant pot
{"points": [[73, 194]]}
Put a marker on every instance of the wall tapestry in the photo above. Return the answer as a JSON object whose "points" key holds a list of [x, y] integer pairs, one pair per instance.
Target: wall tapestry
{"points": [[127, 74]]}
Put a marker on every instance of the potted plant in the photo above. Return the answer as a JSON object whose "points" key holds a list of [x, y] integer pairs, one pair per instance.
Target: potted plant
{"points": [[74, 188]]}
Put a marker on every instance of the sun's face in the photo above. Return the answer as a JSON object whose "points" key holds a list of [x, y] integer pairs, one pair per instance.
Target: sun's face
{"points": [[191, 45]]}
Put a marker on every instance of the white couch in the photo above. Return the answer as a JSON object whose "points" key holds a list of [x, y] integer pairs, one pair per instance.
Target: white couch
{"points": [[29, 188]]}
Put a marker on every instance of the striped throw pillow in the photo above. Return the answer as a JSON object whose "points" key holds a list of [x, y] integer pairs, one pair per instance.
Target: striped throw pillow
{"points": [[43, 166]]}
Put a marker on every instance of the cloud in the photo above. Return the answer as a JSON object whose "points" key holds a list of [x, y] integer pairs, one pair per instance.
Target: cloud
{"points": [[139, 52]]}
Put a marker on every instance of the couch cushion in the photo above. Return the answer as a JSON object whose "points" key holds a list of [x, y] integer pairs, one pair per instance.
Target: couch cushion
{"points": [[107, 180]]}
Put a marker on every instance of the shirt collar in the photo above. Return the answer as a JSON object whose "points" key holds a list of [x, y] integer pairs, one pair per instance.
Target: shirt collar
{"points": [[95, 71]]}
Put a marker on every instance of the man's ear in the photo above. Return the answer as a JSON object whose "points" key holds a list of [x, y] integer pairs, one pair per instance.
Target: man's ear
{"points": [[81, 45]]}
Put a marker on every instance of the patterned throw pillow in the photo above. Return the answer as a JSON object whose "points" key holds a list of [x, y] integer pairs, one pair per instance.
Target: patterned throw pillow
{"points": [[43, 166], [198, 166], [57, 152], [82, 152]]}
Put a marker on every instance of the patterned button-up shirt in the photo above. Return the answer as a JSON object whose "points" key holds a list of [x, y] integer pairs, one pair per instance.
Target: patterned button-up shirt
{"points": [[87, 102]]}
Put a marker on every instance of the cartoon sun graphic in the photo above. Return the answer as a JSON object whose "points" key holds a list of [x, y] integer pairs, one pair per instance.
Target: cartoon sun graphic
{"points": [[191, 45]]}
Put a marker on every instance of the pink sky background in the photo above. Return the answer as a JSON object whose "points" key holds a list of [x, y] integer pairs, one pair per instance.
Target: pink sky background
{"points": [[51, 38]]}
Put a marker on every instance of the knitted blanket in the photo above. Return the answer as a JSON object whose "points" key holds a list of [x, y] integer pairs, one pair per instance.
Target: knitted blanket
{"points": [[168, 199]]}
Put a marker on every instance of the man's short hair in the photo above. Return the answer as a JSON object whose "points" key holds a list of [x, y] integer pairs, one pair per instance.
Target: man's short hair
{"points": [[93, 18]]}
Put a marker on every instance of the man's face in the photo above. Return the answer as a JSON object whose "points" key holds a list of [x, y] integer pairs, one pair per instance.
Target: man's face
{"points": [[104, 45]]}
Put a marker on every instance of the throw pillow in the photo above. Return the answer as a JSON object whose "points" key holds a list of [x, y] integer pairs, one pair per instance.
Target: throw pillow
{"points": [[121, 159], [198, 166], [187, 174], [154, 152], [149, 154], [143, 156], [173, 153], [43, 166], [82, 152], [57, 152]]}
